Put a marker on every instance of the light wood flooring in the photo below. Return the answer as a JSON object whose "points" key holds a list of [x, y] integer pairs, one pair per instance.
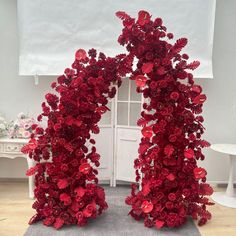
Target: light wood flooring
{"points": [[15, 211]]}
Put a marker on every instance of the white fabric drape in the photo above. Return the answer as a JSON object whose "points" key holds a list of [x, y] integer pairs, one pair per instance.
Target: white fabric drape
{"points": [[50, 31]]}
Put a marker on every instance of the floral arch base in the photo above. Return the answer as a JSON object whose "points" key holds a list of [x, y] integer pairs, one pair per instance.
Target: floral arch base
{"points": [[172, 185]]}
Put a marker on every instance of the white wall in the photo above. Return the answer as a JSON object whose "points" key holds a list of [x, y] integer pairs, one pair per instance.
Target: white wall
{"points": [[20, 94]]}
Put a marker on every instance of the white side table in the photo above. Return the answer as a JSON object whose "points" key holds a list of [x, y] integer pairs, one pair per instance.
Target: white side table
{"points": [[227, 198], [11, 148]]}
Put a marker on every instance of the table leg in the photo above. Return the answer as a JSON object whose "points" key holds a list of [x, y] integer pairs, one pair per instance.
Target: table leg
{"points": [[227, 198], [230, 187], [31, 163]]}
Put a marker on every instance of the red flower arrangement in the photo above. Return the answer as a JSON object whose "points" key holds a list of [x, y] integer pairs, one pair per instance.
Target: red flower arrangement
{"points": [[173, 186], [66, 188]]}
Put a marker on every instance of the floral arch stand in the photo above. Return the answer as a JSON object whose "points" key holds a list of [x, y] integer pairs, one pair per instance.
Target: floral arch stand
{"points": [[172, 185]]}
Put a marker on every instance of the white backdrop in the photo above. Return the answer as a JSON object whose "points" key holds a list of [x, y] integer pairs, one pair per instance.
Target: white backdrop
{"points": [[50, 31]]}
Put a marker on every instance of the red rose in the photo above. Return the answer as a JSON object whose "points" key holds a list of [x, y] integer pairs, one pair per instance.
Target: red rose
{"points": [[65, 198], [58, 223], [62, 183], [172, 197], [80, 191], [170, 177], [174, 96], [168, 150], [147, 67]]}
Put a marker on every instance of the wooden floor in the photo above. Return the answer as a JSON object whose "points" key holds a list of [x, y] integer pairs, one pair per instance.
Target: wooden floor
{"points": [[15, 211]]}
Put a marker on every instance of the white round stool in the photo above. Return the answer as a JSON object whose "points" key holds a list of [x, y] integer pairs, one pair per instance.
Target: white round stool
{"points": [[227, 198]]}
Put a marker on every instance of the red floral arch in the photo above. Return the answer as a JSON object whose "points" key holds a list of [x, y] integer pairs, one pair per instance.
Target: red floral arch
{"points": [[173, 186]]}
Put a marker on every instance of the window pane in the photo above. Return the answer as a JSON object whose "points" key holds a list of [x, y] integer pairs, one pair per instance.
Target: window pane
{"points": [[134, 96], [106, 118], [122, 113], [123, 91], [135, 110]]}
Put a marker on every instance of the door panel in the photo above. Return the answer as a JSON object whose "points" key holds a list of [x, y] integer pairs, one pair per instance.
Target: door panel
{"points": [[127, 133], [127, 146]]}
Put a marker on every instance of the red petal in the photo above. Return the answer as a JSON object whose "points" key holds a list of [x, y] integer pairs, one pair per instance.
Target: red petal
{"points": [[80, 191], [85, 168], [159, 223], [62, 183], [200, 99], [147, 132], [143, 18], [101, 110], [32, 170], [147, 206], [189, 153], [58, 223], [147, 67], [80, 54], [199, 173], [140, 81], [170, 177]]}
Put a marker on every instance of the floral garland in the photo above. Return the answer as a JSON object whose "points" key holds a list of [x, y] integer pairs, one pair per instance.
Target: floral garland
{"points": [[66, 188], [173, 186]]}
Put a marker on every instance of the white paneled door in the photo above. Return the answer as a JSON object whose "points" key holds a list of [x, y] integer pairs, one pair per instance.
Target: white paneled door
{"points": [[119, 136], [128, 105]]}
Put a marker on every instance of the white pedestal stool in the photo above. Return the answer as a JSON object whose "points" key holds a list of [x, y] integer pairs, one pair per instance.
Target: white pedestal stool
{"points": [[227, 198]]}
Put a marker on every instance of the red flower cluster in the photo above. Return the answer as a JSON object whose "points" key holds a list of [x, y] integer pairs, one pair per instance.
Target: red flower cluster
{"points": [[66, 186], [173, 186]]}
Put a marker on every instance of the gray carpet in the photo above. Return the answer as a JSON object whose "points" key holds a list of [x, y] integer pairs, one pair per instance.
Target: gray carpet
{"points": [[113, 222]]}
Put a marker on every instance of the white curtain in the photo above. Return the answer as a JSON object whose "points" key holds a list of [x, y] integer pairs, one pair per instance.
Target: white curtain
{"points": [[50, 31]]}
